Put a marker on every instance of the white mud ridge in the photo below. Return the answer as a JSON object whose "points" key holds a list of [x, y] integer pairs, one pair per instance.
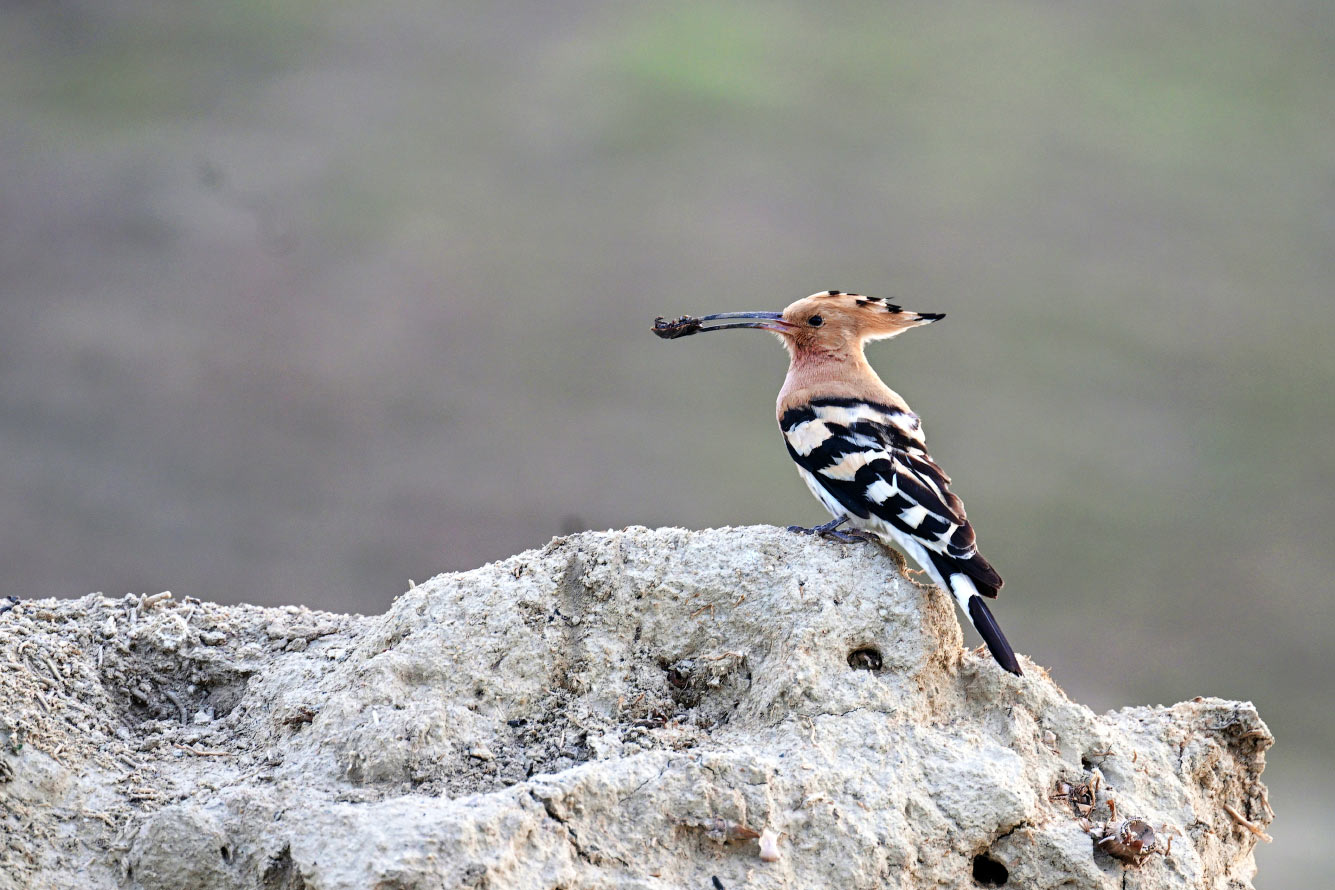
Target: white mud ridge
{"points": [[735, 708]]}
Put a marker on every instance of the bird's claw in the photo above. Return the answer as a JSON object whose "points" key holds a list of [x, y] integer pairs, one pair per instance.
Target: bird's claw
{"points": [[853, 537], [830, 531]]}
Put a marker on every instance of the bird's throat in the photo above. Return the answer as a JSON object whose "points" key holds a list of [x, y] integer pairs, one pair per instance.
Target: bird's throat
{"points": [[824, 375]]}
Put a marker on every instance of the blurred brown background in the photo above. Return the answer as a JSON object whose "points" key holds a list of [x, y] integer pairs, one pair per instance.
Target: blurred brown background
{"points": [[299, 301]]}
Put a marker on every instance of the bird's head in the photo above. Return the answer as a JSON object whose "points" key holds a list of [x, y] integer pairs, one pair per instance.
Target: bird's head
{"points": [[830, 322]]}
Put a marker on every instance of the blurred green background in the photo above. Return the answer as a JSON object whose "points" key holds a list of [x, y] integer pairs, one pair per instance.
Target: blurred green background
{"points": [[299, 301]]}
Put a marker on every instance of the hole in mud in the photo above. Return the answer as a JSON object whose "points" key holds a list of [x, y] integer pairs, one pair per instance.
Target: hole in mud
{"points": [[225, 695], [988, 872], [867, 658], [155, 686], [678, 678]]}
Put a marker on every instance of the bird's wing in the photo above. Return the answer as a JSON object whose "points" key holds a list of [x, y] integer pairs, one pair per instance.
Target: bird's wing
{"points": [[871, 458]]}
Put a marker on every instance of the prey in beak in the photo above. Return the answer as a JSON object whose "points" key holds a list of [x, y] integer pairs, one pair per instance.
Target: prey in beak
{"points": [[691, 324]]}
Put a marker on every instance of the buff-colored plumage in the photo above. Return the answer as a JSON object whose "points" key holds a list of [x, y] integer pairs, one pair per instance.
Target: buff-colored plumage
{"points": [[828, 360]]}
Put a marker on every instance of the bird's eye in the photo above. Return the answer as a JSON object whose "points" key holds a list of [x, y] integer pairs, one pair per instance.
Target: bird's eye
{"points": [[815, 321]]}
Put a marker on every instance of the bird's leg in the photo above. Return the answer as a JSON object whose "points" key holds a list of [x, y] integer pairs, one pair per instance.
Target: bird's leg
{"points": [[830, 530], [825, 529]]}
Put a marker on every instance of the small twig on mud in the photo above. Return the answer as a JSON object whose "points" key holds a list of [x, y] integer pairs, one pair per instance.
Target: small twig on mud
{"points": [[149, 602], [201, 752], [1247, 824], [180, 706]]}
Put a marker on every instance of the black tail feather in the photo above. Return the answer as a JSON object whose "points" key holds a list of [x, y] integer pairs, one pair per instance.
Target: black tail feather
{"points": [[987, 627]]}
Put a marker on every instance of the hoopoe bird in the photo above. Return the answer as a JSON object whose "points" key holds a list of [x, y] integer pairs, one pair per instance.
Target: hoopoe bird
{"points": [[861, 450]]}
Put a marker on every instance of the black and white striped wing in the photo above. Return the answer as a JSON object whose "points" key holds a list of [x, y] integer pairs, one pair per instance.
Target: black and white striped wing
{"points": [[870, 459]]}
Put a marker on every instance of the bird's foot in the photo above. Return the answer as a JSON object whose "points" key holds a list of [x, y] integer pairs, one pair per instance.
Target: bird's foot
{"points": [[852, 537], [830, 530]]}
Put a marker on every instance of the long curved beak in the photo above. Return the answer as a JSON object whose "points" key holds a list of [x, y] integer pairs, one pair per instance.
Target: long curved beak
{"points": [[773, 321], [688, 324]]}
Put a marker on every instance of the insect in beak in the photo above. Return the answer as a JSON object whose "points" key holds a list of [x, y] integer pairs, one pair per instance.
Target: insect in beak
{"points": [[690, 324]]}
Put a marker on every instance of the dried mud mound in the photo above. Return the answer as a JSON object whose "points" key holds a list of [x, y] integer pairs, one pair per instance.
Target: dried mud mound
{"points": [[634, 709]]}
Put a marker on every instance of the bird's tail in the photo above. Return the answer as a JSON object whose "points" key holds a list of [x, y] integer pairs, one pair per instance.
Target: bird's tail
{"points": [[966, 593], [987, 627]]}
